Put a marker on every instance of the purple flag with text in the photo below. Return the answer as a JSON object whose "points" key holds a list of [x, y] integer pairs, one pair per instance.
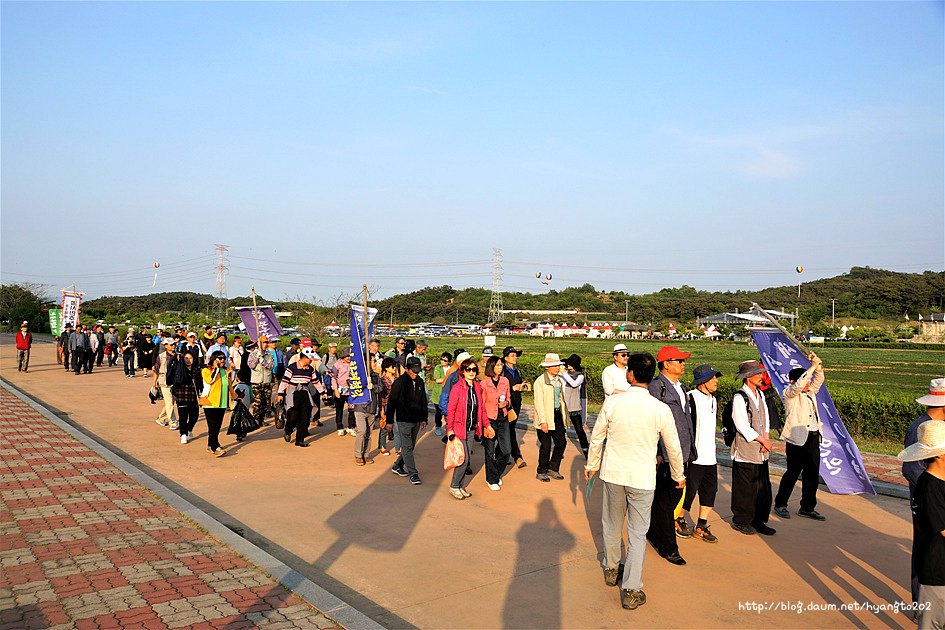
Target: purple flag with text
{"points": [[268, 322], [840, 463]]}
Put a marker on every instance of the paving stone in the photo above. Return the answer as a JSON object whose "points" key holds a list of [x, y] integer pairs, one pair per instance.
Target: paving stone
{"points": [[156, 570], [88, 605], [79, 564], [179, 613]]}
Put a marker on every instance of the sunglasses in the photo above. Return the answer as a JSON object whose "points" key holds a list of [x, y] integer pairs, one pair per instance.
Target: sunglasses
{"points": [[675, 360], [473, 370], [622, 354]]}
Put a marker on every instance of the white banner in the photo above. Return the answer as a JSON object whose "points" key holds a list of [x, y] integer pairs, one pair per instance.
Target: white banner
{"points": [[71, 301]]}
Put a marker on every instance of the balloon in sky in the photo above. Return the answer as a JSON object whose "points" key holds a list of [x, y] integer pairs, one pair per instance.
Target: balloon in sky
{"points": [[799, 269], [156, 265], [538, 275]]}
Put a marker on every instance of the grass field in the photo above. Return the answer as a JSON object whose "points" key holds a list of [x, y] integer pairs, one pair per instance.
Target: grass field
{"points": [[867, 368]]}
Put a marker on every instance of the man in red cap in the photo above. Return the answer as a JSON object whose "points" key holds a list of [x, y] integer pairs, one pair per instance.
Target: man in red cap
{"points": [[667, 388]]}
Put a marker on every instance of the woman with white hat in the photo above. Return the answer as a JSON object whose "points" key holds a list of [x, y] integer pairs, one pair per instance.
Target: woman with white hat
{"points": [[928, 520], [550, 411]]}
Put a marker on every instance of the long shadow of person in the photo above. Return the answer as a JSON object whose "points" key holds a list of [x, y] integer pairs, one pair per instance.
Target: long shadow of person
{"points": [[533, 599], [592, 508]]}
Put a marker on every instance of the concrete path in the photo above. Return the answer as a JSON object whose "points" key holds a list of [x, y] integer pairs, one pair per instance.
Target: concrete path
{"points": [[524, 557]]}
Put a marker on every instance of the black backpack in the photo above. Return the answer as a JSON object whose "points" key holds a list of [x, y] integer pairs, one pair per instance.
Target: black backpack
{"points": [[728, 424]]}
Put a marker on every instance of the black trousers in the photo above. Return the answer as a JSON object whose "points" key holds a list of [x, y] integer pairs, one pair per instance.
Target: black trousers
{"points": [[751, 493], [214, 416], [100, 355], [340, 403], [65, 358], [578, 427], [515, 449], [89, 362], [78, 359], [298, 416], [662, 531], [549, 459], [187, 417], [801, 459], [497, 449]]}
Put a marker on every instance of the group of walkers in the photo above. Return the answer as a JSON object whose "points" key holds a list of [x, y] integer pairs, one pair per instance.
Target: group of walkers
{"points": [[653, 445]]}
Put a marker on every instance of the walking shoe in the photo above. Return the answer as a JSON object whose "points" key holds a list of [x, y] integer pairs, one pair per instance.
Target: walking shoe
{"points": [[520, 463], [209, 450], [359, 461], [342, 432], [554, 474], [631, 599], [219, 452], [542, 477], [368, 460], [495, 487], [174, 426], [302, 444], [812, 514], [352, 432], [439, 431], [612, 575], [500, 482], [384, 451], [457, 494], [399, 471], [675, 558], [682, 528], [782, 511], [466, 493], [287, 437], [763, 529], [415, 479], [162, 423], [748, 530], [239, 438], [280, 423], [183, 439], [190, 435], [704, 534]]}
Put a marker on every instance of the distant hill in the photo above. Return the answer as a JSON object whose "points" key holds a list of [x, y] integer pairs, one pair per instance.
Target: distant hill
{"points": [[862, 293]]}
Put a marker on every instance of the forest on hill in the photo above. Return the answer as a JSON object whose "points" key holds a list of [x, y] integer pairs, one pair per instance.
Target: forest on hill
{"points": [[863, 293]]}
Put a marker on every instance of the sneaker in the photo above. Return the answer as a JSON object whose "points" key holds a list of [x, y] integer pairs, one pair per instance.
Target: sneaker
{"points": [[219, 452], [342, 432], [457, 494], [812, 514], [554, 474], [703, 533], [764, 530], [190, 435], [161, 423], [384, 451], [500, 482], [209, 450], [397, 470], [174, 427], [782, 511], [542, 477], [520, 463], [682, 528], [466, 493], [631, 599], [359, 461], [183, 439], [352, 432], [415, 479], [748, 530], [287, 437], [611, 576], [439, 431], [495, 487], [368, 460]]}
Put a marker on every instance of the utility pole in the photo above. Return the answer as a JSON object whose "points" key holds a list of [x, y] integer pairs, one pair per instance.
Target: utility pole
{"points": [[495, 304], [833, 312], [626, 311], [222, 267]]}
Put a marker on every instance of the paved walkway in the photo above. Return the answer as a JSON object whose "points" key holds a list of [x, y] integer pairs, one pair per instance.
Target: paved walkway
{"points": [[525, 557], [85, 546]]}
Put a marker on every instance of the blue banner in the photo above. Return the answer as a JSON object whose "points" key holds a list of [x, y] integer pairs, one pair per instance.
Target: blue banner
{"points": [[840, 463], [359, 383]]}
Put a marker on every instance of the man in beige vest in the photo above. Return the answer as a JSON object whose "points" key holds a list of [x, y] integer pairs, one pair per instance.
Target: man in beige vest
{"points": [[751, 485]]}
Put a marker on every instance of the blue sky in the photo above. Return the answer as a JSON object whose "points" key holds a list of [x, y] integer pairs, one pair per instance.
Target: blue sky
{"points": [[629, 145]]}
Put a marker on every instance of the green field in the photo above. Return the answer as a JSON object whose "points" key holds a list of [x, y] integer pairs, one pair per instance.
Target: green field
{"points": [[902, 370]]}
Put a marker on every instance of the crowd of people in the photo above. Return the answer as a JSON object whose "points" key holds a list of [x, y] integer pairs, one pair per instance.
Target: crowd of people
{"points": [[653, 445]]}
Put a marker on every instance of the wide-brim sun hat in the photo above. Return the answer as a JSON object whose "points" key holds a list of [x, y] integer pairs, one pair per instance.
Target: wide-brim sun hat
{"points": [[620, 347], [551, 360], [931, 442], [936, 395], [747, 369]]}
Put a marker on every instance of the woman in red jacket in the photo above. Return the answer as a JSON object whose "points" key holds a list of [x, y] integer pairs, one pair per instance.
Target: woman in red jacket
{"points": [[466, 414]]}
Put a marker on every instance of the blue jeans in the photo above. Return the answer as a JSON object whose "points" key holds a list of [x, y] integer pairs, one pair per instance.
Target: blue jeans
{"points": [[129, 360]]}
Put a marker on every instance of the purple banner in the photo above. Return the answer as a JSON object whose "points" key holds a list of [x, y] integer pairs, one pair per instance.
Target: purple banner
{"points": [[268, 322], [359, 383], [840, 463]]}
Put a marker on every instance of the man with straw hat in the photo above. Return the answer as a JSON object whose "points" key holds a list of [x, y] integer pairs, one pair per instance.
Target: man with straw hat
{"points": [[751, 484], [550, 412], [934, 402], [928, 521]]}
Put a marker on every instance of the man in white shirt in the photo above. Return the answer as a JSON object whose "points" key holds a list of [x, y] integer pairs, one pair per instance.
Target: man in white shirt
{"points": [[751, 485], [702, 476], [632, 422], [614, 377]]}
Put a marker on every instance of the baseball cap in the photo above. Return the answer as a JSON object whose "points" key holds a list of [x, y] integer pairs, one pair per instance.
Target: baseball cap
{"points": [[668, 353], [414, 365], [511, 350]]}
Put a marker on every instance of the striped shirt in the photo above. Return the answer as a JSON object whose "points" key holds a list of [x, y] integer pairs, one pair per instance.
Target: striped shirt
{"points": [[296, 376]]}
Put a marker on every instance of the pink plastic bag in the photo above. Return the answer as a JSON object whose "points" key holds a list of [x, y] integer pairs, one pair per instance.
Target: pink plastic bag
{"points": [[455, 454]]}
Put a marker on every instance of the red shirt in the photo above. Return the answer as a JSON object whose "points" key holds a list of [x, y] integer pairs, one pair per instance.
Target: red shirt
{"points": [[23, 342]]}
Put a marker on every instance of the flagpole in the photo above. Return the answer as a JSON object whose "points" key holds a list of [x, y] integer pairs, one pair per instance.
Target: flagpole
{"points": [[255, 312], [366, 362], [777, 325]]}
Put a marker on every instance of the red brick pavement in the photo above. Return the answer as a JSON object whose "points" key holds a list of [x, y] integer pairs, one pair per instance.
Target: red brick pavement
{"points": [[82, 545]]}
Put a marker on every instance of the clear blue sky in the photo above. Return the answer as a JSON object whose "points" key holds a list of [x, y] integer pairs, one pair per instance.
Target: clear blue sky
{"points": [[629, 145]]}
